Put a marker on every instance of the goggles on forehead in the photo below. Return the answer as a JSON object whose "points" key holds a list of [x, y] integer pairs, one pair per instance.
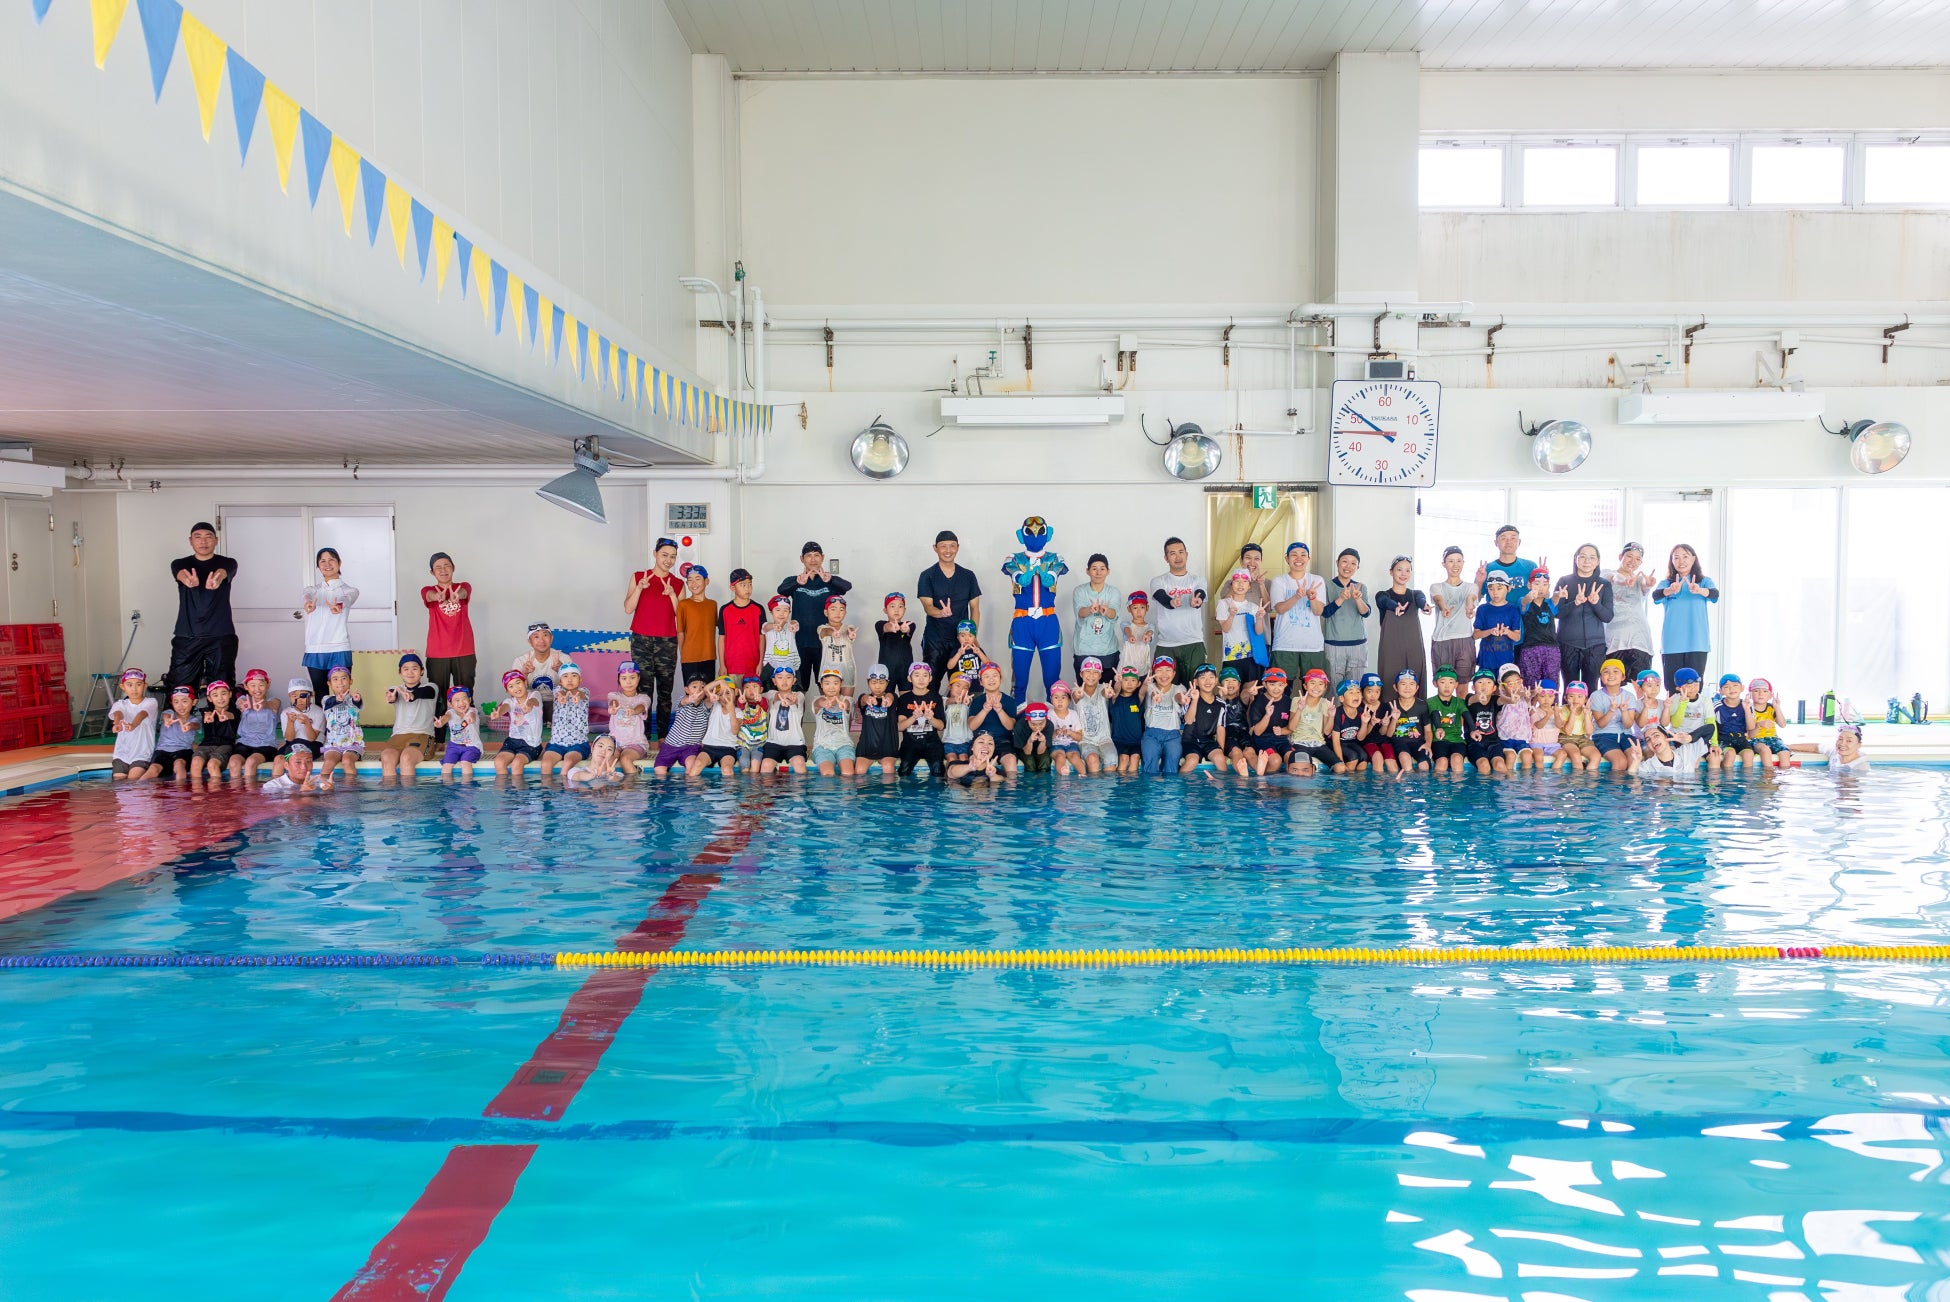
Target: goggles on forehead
{"points": [[1035, 525]]}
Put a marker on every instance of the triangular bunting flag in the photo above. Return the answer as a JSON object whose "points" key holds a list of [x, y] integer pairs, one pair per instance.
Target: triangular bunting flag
{"points": [[345, 170], [205, 51], [40, 9], [637, 393], [478, 269], [161, 21], [552, 338], [318, 151], [281, 112], [498, 279], [422, 233], [107, 15], [518, 305], [464, 247], [372, 183], [531, 303], [601, 359], [399, 210], [246, 93], [443, 252], [572, 333]]}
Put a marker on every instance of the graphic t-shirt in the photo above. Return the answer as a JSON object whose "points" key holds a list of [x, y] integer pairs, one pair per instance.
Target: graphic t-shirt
{"points": [[1298, 627], [1278, 713], [1410, 722], [1479, 718], [1096, 632], [785, 720], [919, 712], [1494, 652], [1447, 718], [1183, 625], [1311, 720], [450, 630]]}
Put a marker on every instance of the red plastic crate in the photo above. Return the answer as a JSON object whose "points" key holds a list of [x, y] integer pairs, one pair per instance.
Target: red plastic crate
{"points": [[46, 639]]}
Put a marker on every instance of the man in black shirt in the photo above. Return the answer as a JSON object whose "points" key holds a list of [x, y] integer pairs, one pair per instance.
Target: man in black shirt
{"points": [[808, 590], [204, 648], [949, 594]]}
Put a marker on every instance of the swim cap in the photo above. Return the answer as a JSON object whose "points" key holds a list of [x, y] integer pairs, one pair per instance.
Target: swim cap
{"points": [[134, 676], [413, 657], [1854, 729], [1240, 574], [824, 674], [297, 685], [986, 666], [1540, 573], [1729, 678], [1482, 676], [1451, 550], [811, 547], [214, 684], [891, 598], [1370, 680], [1644, 674], [1576, 686], [696, 572], [1613, 663], [458, 689], [920, 667], [1546, 684], [1683, 676], [1130, 671], [182, 689], [1497, 576], [538, 628], [1164, 662], [1204, 669], [628, 667], [965, 626], [253, 673], [1293, 547], [1227, 672], [1314, 676], [1060, 687], [1275, 675], [1347, 685], [835, 600], [1446, 671], [1761, 685], [778, 601], [1138, 599], [739, 575], [878, 671], [438, 557], [1036, 711], [788, 670], [1347, 552], [513, 676], [1507, 670], [1089, 663], [1409, 674]]}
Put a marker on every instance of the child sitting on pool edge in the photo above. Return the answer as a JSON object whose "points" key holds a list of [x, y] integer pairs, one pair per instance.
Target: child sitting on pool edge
{"points": [[463, 724]]}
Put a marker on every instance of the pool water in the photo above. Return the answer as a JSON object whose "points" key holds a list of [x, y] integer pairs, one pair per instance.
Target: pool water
{"points": [[1495, 1130]]}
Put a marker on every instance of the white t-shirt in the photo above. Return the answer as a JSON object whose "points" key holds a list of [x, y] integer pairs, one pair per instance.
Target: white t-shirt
{"points": [[1184, 625], [1236, 620], [1066, 727], [327, 629], [137, 740], [283, 783], [1651, 766], [1836, 765], [722, 730], [1299, 628], [1459, 623], [785, 720]]}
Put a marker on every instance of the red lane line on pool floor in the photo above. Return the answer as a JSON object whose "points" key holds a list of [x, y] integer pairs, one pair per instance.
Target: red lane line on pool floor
{"points": [[420, 1258], [59, 842]]}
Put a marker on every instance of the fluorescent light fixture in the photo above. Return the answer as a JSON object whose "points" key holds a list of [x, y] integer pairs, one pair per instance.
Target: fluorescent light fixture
{"points": [[579, 490], [1717, 407], [1033, 410]]}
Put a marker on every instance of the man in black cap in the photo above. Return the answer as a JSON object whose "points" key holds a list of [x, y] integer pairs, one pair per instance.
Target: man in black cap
{"points": [[949, 594], [204, 648], [809, 589]]}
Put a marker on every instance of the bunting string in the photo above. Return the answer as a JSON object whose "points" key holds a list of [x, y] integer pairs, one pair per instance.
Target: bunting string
{"points": [[510, 307]]}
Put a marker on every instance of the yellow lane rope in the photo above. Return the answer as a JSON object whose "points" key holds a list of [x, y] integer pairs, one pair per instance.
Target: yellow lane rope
{"points": [[1097, 958]]}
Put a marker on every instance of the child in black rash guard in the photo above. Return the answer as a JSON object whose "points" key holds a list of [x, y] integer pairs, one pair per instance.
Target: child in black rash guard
{"points": [[1269, 719], [1409, 724], [896, 635], [1479, 724], [918, 710], [880, 740], [1203, 734]]}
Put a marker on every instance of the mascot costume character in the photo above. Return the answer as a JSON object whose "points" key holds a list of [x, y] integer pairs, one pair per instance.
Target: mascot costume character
{"points": [[1035, 629]]}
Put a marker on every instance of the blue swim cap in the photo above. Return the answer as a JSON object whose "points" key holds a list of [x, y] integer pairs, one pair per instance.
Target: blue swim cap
{"points": [[1370, 680], [1727, 678], [1409, 674], [1684, 676], [1546, 684], [1347, 685]]}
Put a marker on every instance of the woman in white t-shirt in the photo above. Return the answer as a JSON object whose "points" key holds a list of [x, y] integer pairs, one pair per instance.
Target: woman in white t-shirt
{"points": [[1844, 754], [328, 622]]}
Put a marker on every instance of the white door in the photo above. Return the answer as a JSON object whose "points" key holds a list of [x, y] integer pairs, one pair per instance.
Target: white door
{"points": [[274, 547], [29, 584], [1662, 521]]}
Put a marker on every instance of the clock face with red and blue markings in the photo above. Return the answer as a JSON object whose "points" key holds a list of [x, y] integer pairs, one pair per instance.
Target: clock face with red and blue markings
{"points": [[1382, 433]]}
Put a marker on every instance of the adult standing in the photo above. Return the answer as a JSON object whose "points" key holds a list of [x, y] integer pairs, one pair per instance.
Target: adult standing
{"points": [[1507, 560], [1685, 592], [204, 646], [328, 622], [651, 603], [1628, 637], [949, 594], [450, 629], [1343, 621], [808, 591], [1098, 606], [1454, 640], [1177, 605], [1398, 625], [1298, 598], [1585, 610]]}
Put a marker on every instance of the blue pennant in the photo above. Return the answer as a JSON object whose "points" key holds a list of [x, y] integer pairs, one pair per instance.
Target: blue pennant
{"points": [[465, 249], [555, 335], [162, 20], [531, 304], [246, 94], [373, 182], [582, 348], [498, 278], [318, 150], [422, 232], [40, 9]]}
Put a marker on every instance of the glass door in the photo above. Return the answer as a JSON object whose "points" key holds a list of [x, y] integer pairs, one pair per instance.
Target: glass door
{"points": [[1660, 521]]}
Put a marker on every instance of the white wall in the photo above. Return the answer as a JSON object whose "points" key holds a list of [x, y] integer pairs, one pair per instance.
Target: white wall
{"points": [[916, 192], [556, 133], [1699, 100]]}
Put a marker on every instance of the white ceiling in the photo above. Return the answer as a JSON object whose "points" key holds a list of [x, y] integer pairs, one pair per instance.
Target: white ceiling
{"points": [[1022, 36], [110, 349]]}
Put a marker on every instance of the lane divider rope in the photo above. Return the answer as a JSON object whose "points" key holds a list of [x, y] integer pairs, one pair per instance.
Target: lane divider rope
{"points": [[1012, 958]]}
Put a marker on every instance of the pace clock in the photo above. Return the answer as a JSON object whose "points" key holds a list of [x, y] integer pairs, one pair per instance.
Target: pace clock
{"points": [[1383, 433]]}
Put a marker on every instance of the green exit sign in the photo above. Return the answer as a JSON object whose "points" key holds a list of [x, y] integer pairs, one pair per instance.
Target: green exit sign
{"points": [[1265, 497]]}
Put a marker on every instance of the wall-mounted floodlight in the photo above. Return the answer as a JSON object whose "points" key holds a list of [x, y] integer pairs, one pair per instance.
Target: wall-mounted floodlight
{"points": [[1874, 445], [1557, 446], [878, 452]]}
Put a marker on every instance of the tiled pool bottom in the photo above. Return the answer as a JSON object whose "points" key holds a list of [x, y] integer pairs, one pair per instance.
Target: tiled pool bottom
{"points": [[1482, 1131]]}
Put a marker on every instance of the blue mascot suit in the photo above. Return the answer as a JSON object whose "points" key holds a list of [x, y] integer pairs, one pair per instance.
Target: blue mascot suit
{"points": [[1035, 629]]}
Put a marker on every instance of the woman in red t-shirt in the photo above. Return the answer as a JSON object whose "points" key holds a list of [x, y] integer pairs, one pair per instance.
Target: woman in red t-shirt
{"points": [[450, 633], [651, 603]]}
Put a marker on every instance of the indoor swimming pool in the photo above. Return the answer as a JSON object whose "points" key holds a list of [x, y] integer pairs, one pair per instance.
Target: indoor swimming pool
{"points": [[1478, 1130]]}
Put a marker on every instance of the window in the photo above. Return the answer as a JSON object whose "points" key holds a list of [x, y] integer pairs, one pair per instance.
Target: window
{"points": [[1779, 607], [1557, 521], [1906, 174], [1463, 517], [1570, 176], [1896, 629], [1685, 175], [1462, 176], [1805, 175]]}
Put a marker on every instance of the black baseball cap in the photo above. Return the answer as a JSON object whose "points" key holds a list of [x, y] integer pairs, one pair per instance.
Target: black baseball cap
{"points": [[203, 526], [810, 547], [740, 574]]}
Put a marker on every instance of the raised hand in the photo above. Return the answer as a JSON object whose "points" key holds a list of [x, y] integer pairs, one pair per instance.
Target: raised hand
{"points": [[215, 580], [1482, 572], [186, 577]]}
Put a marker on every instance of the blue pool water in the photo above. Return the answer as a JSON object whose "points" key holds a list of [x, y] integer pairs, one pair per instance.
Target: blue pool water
{"points": [[1532, 1131]]}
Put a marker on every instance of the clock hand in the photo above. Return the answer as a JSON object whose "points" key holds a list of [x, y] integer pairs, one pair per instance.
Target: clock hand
{"points": [[1371, 425]]}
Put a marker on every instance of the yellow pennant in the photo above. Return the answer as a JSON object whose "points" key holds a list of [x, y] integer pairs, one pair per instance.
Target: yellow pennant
{"points": [[399, 210], [345, 171], [108, 21], [205, 50], [615, 368], [479, 271], [517, 308], [281, 112], [545, 323], [443, 254]]}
